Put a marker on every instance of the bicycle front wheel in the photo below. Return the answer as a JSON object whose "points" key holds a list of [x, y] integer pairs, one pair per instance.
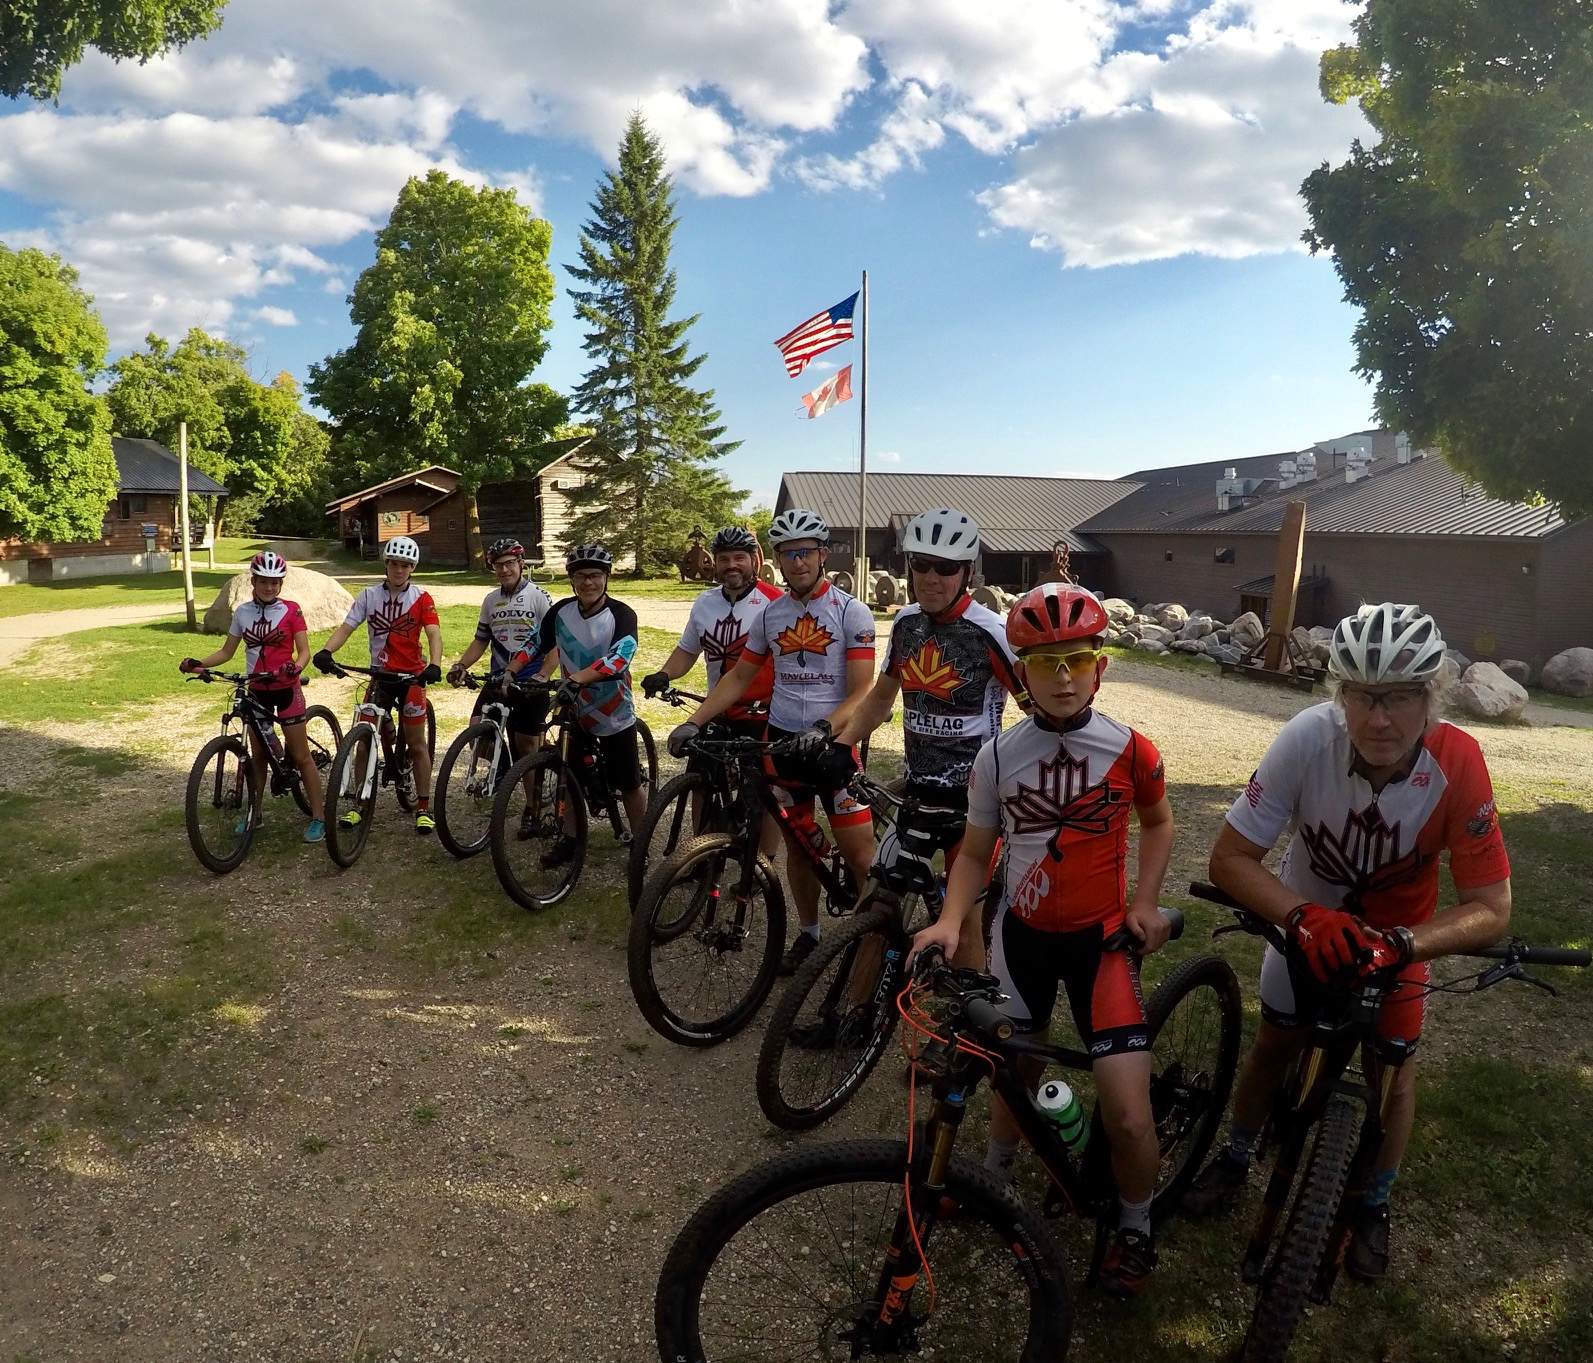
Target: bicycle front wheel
{"points": [[323, 733], [1286, 1285], [222, 804], [467, 784], [684, 808], [788, 1262], [832, 1024], [702, 954], [351, 795], [538, 830]]}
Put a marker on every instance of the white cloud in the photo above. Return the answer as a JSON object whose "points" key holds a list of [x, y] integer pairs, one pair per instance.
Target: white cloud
{"points": [[886, 457], [275, 317]]}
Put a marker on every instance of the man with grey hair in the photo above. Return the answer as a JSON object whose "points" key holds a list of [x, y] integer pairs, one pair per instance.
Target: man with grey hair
{"points": [[1375, 789]]}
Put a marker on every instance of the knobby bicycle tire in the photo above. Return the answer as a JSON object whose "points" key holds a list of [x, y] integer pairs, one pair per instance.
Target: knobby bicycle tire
{"points": [[460, 750], [199, 792], [509, 876], [1286, 1285], [1018, 1235], [786, 1109], [718, 937], [322, 755], [345, 842], [669, 809]]}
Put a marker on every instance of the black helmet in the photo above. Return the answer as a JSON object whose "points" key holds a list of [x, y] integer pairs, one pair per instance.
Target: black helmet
{"points": [[510, 548], [734, 537], [588, 556]]}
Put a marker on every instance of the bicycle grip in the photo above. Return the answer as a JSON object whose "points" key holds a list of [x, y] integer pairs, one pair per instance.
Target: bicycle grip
{"points": [[988, 1018], [1531, 955]]}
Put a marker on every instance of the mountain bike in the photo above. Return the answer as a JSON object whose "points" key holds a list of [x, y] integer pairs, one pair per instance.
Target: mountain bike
{"points": [[539, 815], [708, 929], [1325, 1150], [883, 1248], [222, 805], [374, 753], [472, 768]]}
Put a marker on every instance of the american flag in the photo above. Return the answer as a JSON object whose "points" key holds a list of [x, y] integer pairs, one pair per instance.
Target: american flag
{"points": [[819, 333]]}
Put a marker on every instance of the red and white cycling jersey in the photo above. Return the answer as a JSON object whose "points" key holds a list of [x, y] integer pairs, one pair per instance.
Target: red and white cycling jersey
{"points": [[267, 632], [395, 621], [720, 629], [1373, 852], [1061, 801], [810, 642]]}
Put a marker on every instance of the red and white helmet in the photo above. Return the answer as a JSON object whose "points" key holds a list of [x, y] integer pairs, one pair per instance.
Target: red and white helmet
{"points": [[268, 563], [1055, 613]]}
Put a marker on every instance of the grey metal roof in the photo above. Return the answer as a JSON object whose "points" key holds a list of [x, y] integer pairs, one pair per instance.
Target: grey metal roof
{"points": [[1015, 514], [148, 466]]}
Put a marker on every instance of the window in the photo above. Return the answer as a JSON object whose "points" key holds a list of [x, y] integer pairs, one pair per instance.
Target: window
{"points": [[129, 507], [1223, 554], [1167, 555]]}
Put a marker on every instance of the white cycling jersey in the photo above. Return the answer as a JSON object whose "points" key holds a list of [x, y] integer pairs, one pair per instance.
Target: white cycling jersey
{"points": [[810, 643]]}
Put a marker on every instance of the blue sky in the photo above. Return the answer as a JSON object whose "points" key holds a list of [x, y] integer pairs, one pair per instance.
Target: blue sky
{"points": [[1079, 220]]}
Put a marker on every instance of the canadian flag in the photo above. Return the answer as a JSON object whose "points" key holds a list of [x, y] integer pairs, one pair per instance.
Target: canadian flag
{"points": [[829, 393]]}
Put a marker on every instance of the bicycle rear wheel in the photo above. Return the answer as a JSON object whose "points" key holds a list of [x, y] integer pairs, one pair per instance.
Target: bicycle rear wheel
{"points": [[538, 830], [222, 795], [1286, 1285], [702, 959], [467, 784], [350, 806], [404, 784], [787, 1262], [669, 823], [833, 1022], [323, 733]]}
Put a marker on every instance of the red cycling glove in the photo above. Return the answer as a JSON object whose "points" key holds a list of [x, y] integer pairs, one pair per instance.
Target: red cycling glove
{"points": [[1331, 941]]}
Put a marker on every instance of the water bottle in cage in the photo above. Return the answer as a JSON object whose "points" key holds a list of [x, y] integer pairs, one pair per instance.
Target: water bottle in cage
{"points": [[1064, 1111], [274, 742], [806, 827]]}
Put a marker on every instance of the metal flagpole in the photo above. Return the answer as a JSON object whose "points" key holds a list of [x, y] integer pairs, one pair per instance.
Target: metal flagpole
{"points": [[860, 557]]}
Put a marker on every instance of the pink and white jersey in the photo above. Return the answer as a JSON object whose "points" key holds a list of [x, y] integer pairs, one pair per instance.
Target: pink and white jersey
{"points": [[810, 642], [395, 621], [720, 629], [1375, 852], [267, 632], [1061, 801]]}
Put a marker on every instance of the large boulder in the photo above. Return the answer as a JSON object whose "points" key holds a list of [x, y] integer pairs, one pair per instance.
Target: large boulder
{"points": [[1170, 615], [1485, 692], [1569, 673], [1150, 645], [322, 599], [1453, 667], [1156, 634], [1186, 646], [1246, 630], [1197, 627], [1517, 671], [1300, 637], [1118, 611]]}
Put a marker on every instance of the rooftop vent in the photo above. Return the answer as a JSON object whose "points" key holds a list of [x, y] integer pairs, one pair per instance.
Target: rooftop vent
{"points": [[1357, 465], [1288, 473], [1402, 448], [1305, 465]]}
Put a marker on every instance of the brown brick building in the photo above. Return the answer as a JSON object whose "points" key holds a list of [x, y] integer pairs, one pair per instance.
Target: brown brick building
{"points": [[367, 519]]}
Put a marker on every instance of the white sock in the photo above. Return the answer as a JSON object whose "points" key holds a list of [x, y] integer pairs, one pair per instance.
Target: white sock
{"points": [[812, 930], [1134, 1215]]}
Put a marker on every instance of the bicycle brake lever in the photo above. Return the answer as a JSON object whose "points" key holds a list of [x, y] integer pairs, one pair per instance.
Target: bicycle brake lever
{"points": [[1227, 928], [1535, 981]]}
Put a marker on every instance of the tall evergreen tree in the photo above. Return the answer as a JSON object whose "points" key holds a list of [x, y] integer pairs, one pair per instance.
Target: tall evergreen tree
{"points": [[656, 437]]}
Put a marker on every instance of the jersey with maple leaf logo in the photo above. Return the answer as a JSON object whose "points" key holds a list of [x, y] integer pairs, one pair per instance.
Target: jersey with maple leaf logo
{"points": [[810, 643], [394, 621], [955, 671], [267, 632], [719, 629], [1379, 849], [1062, 801]]}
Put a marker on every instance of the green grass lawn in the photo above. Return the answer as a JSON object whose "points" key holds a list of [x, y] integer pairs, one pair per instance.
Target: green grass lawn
{"points": [[121, 589]]}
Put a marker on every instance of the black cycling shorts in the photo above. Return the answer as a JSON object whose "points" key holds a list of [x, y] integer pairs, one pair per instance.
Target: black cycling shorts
{"points": [[1102, 986], [528, 713], [619, 753], [408, 698], [285, 704]]}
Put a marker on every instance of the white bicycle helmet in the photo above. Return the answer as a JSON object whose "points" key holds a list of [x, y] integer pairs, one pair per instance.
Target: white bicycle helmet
{"points": [[402, 548], [588, 556], [942, 533], [268, 563], [1386, 644], [798, 524]]}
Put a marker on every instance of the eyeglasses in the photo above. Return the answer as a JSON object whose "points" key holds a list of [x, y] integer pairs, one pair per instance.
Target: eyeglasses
{"points": [[797, 555], [1405, 703], [938, 566], [1079, 663]]}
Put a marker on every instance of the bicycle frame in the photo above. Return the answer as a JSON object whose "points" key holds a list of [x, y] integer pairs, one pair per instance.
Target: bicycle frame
{"points": [[253, 718]]}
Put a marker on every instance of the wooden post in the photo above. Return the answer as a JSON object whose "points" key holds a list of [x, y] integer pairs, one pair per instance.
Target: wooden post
{"points": [[182, 522], [1285, 585], [210, 528]]}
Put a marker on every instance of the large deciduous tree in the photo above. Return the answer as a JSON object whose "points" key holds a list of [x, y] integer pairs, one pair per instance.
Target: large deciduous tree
{"points": [[651, 476], [1463, 234], [451, 321], [57, 472], [39, 39]]}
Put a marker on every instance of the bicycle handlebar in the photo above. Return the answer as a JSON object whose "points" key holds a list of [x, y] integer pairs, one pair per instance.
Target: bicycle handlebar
{"points": [[210, 674], [375, 673]]}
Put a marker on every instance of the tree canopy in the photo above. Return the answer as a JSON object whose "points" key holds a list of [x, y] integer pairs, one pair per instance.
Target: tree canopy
{"points": [[57, 472], [651, 478], [1463, 234], [39, 39], [451, 321]]}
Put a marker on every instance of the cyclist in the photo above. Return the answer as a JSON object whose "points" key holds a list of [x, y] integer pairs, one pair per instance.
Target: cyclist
{"points": [[949, 661], [821, 642], [276, 649], [1057, 788], [592, 637], [1374, 788], [510, 622], [396, 612]]}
